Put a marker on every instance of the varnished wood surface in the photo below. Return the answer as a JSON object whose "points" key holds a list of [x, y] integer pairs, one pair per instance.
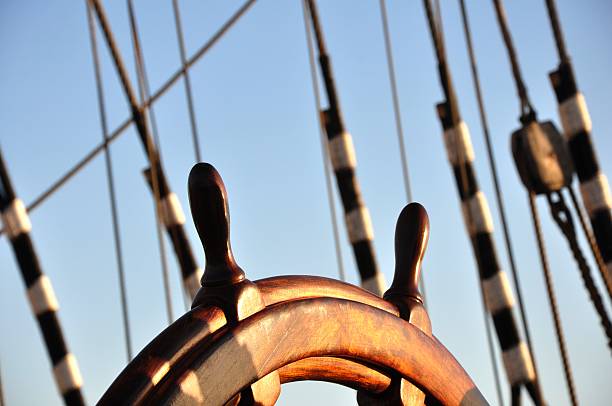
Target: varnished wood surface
{"points": [[293, 287], [162, 354], [346, 372], [210, 212], [290, 331]]}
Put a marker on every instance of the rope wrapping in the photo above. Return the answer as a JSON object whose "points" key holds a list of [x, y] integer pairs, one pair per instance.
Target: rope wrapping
{"points": [[43, 302], [344, 162]]}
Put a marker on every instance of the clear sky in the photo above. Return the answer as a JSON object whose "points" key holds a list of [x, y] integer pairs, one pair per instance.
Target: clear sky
{"points": [[257, 120]]}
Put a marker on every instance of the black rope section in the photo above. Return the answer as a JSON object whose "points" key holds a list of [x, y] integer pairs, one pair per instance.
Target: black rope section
{"points": [[558, 34], [544, 165], [110, 178], [577, 127], [484, 123], [563, 218], [589, 236], [154, 157], [120, 130], [43, 302], [528, 114], [343, 159], [496, 292], [552, 300], [186, 79], [323, 143]]}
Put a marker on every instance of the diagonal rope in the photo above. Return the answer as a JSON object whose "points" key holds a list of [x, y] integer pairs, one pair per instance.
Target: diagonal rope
{"points": [[527, 111], [187, 81], [324, 151], [120, 130], [154, 156], [484, 123], [436, 29], [111, 182], [552, 300]]}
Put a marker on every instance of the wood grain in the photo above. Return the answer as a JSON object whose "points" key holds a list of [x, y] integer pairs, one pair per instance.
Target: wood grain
{"points": [[350, 373], [290, 331]]}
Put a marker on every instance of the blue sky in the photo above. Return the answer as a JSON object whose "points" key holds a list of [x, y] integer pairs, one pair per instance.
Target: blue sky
{"points": [[257, 120]]}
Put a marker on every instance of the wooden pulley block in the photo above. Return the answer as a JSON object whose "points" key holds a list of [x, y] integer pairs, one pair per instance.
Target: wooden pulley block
{"points": [[541, 157]]}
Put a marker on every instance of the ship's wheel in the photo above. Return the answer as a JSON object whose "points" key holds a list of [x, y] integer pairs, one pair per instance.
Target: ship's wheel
{"points": [[241, 339]]}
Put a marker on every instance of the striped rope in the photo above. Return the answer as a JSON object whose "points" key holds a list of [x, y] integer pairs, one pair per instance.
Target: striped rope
{"points": [[498, 295], [344, 163], [125, 124], [41, 296], [190, 272], [594, 186], [323, 144]]}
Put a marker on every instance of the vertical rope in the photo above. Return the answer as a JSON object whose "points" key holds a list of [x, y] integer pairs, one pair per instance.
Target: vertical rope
{"points": [[111, 183], [187, 81], [398, 119], [552, 300], [143, 88], [496, 184], [324, 153]]}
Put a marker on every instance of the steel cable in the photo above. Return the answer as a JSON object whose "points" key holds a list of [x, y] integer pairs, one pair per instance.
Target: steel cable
{"points": [[153, 150], [186, 79], [398, 120], [111, 182], [120, 130]]}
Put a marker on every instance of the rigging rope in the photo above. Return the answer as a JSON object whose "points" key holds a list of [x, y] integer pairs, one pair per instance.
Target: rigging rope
{"points": [[577, 127], [563, 218], [550, 172], [552, 300], [528, 114], [43, 302], [558, 34], [120, 130], [323, 143], [187, 81], [344, 162], [395, 100], [495, 287], [591, 240], [110, 178], [484, 123], [154, 153], [398, 121]]}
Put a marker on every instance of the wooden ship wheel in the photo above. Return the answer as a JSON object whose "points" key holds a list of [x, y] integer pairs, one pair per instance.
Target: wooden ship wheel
{"points": [[242, 339]]}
